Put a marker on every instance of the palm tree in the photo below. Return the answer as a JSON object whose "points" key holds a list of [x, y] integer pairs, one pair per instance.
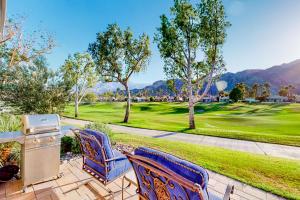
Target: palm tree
{"points": [[243, 87], [255, 87], [267, 91], [290, 91]]}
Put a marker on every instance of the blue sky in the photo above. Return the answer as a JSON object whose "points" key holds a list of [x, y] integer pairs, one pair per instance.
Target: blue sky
{"points": [[263, 32]]}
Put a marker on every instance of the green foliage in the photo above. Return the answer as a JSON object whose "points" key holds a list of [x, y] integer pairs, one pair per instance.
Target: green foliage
{"points": [[271, 123], [279, 176], [236, 94], [102, 128], [33, 88], [118, 55], [90, 98], [79, 73], [75, 146], [171, 83], [283, 92], [287, 91], [9, 123], [69, 144], [258, 91], [66, 144], [190, 32], [244, 89], [78, 70]]}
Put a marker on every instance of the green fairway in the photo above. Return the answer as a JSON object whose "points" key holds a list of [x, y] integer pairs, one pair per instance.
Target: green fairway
{"points": [[272, 123], [279, 176]]}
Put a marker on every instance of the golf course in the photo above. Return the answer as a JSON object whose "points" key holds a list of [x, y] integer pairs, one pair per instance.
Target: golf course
{"points": [[271, 123]]}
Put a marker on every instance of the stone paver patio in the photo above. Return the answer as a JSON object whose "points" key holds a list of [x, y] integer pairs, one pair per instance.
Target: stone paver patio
{"points": [[275, 150], [72, 175]]}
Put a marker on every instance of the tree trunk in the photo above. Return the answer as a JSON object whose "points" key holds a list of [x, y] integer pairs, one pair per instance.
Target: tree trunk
{"points": [[76, 102], [192, 124], [128, 104], [191, 109]]}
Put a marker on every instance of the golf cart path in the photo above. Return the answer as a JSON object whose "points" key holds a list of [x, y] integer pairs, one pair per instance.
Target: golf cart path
{"points": [[275, 150]]}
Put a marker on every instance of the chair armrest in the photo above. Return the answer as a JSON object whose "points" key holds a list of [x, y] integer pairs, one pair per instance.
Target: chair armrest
{"points": [[115, 158], [75, 130], [229, 190]]}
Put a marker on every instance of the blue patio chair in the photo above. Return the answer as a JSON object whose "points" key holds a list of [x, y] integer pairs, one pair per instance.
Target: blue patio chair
{"points": [[162, 176], [99, 159]]}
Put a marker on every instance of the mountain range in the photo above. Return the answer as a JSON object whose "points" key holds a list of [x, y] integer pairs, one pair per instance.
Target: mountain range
{"points": [[276, 76]]}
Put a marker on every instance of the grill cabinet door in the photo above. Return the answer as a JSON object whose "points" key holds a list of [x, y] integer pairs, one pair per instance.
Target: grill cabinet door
{"points": [[40, 164]]}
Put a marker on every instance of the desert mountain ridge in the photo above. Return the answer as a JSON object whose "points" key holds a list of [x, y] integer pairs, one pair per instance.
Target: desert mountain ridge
{"points": [[277, 76]]}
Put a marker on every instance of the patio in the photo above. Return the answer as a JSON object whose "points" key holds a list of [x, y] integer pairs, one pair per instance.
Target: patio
{"points": [[73, 175]]}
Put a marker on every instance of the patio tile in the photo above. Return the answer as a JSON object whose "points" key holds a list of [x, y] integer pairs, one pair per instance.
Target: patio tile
{"points": [[46, 193], [13, 187], [73, 175], [84, 192], [2, 191], [48, 184], [22, 196]]}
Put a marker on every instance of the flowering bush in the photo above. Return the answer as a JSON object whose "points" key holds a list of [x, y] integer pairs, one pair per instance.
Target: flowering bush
{"points": [[10, 151]]}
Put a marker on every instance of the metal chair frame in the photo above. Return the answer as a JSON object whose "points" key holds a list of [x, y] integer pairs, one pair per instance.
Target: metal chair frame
{"points": [[99, 177], [169, 175]]}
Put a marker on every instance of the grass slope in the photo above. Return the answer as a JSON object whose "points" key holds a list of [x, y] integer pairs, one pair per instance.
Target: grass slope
{"points": [[272, 123], [279, 176]]}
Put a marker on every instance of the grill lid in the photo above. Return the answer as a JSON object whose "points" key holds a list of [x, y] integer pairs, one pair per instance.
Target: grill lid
{"points": [[35, 124]]}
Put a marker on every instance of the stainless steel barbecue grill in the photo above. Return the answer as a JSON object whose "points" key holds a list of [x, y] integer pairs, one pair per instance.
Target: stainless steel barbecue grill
{"points": [[41, 149]]}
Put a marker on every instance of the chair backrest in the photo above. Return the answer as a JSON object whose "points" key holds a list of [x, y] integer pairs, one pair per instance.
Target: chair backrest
{"points": [[164, 176], [96, 148]]}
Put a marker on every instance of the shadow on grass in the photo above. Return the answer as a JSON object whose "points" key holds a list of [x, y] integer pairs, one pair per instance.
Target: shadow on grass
{"points": [[165, 135], [199, 109], [145, 108], [185, 129]]}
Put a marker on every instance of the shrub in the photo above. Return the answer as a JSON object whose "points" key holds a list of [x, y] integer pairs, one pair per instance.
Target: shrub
{"points": [[236, 94], [66, 144], [9, 123], [69, 144], [102, 128], [33, 88], [10, 151], [90, 98], [75, 146]]}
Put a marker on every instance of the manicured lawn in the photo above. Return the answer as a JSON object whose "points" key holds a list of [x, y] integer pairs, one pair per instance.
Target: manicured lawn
{"points": [[279, 176], [272, 123]]}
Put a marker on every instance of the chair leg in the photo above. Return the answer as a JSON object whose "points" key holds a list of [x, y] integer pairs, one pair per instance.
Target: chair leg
{"points": [[229, 190], [124, 188], [77, 187]]}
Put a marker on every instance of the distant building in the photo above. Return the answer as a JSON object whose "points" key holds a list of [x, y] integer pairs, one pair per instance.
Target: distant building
{"points": [[139, 99], [250, 100], [297, 98], [277, 99], [180, 99], [224, 99], [171, 99], [209, 99]]}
